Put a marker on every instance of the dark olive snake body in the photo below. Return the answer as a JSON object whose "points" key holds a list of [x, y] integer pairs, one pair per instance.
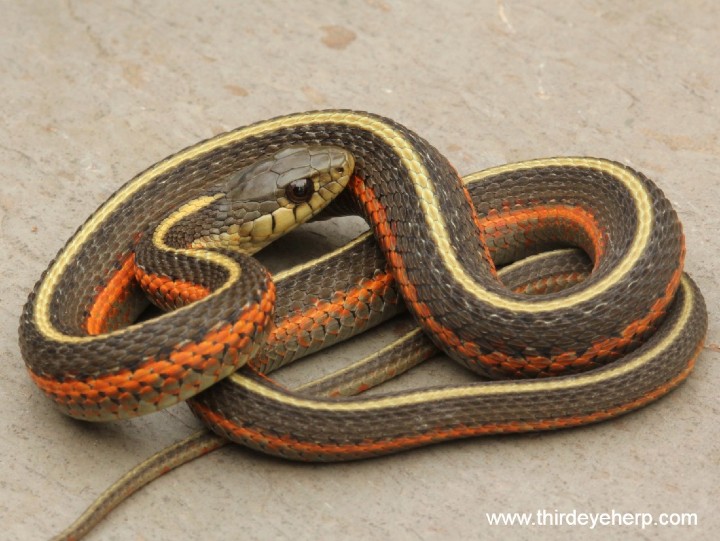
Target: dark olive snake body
{"points": [[621, 337]]}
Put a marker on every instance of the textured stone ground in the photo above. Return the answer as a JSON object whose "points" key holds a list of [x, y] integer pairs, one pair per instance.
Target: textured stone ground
{"points": [[93, 92]]}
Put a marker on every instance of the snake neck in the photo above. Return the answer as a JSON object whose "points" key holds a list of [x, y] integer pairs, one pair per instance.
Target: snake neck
{"points": [[433, 238]]}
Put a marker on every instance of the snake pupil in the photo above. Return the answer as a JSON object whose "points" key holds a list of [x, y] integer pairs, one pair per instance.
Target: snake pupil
{"points": [[300, 191]]}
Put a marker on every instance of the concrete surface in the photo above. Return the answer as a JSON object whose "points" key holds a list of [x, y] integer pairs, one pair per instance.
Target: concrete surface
{"points": [[92, 92]]}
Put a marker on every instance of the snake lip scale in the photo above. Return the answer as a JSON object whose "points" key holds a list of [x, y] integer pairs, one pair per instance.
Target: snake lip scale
{"points": [[580, 341]]}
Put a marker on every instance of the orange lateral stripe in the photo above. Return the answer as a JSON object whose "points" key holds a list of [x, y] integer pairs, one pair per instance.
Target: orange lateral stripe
{"points": [[603, 350], [325, 314], [107, 303], [178, 374], [167, 292], [170, 293], [280, 443], [499, 223], [480, 223]]}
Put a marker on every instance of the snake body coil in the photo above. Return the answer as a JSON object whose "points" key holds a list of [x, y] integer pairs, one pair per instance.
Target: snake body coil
{"points": [[637, 319]]}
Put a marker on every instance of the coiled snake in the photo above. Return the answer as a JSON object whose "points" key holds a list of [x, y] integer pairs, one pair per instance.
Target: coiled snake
{"points": [[583, 347]]}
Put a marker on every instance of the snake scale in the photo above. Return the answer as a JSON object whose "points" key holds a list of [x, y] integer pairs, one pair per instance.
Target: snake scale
{"points": [[560, 339]]}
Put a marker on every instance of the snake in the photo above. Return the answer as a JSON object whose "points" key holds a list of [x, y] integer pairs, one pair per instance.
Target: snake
{"points": [[581, 347]]}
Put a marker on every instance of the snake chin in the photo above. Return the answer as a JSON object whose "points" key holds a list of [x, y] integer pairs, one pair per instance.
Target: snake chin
{"points": [[271, 197]]}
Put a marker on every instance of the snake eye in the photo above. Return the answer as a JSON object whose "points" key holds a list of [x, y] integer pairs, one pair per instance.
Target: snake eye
{"points": [[300, 190]]}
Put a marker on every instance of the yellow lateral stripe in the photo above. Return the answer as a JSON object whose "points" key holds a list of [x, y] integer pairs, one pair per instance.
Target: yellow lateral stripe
{"points": [[639, 244], [234, 271], [484, 389], [424, 189], [179, 215], [436, 224]]}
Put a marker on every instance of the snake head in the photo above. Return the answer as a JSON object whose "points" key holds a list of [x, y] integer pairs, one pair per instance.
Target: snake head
{"points": [[272, 196]]}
